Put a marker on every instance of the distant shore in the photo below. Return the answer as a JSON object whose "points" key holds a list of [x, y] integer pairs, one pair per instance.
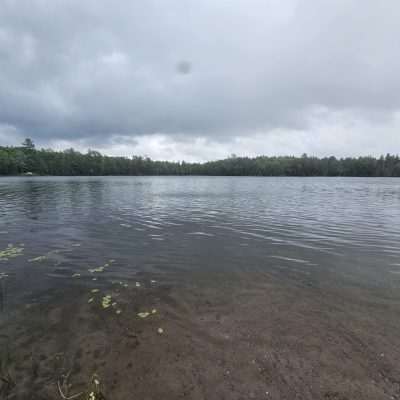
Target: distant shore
{"points": [[188, 176], [28, 161]]}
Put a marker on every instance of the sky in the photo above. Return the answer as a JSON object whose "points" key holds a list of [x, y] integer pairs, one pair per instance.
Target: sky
{"points": [[201, 80]]}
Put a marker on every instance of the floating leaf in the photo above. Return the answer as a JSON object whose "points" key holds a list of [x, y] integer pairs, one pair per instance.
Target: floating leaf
{"points": [[160, 331], [11, 251], [98, 269], [95, 290], [40, 258], [143, 314], [153, 311], [76, 275], [138, 284], [118, 311], [106, 301], [90, 300]]}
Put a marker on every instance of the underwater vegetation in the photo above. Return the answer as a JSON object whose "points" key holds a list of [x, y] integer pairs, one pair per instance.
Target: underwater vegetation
{"points": [[102, 268], [106, 301], [146, 314], [103, 299]]}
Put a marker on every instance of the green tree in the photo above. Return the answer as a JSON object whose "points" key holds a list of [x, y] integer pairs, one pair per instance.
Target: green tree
{"points": [[28, 144]]}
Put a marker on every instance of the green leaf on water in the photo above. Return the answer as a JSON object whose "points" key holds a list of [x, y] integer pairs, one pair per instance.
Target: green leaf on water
{"points": [[11, 251], [98, 269], [106, 301]]}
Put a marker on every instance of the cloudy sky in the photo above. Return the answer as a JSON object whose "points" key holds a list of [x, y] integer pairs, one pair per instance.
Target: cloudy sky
{"points": [[201, 79]]}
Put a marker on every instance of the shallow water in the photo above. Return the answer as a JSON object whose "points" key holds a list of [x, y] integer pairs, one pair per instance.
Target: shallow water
{"points": [[338, 234], [167, 224]]}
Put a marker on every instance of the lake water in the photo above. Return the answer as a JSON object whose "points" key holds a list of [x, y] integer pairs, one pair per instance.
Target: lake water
{"points": [[338, 235]]}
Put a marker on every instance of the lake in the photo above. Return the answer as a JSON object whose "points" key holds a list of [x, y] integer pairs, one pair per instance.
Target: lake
{"points": [[200, 287]]}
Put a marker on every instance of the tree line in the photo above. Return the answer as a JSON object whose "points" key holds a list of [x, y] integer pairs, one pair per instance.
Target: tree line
{"points": [[26, 159]]}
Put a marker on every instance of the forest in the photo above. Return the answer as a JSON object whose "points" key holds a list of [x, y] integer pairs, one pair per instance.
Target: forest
{"points": [[26, 159]]}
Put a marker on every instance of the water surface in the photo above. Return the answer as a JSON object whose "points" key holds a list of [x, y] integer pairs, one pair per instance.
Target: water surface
{"points": [[320, 253], [167, 224]]}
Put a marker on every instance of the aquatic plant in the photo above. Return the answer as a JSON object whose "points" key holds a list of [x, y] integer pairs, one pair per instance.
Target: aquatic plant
{"points": [[120, 283], [145, 314], [106, 301], [11, 251], [98, 269]]}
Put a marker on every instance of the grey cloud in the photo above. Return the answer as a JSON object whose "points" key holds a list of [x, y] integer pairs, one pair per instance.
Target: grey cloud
{"points": [[92, 70]]}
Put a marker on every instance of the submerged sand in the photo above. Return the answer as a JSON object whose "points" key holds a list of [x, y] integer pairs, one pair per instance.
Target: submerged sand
{"points": [[252, 335]]}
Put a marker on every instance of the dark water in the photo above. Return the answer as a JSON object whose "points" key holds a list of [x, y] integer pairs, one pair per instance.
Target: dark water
{"points": [[315, 230]]}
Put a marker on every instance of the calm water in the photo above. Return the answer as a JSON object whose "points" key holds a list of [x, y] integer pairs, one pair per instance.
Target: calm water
{"points": [[314, 230]]}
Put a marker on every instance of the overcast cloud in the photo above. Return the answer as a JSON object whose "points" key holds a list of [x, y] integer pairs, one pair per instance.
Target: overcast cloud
{"points": [[199, 80]]}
